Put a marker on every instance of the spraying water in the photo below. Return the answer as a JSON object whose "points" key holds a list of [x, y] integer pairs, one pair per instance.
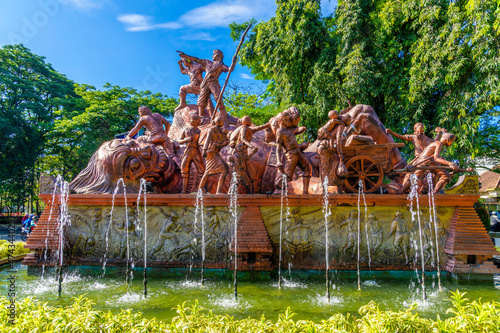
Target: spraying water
{"points": [[59, 181], [360, 190], [105, 259], [433, 219], [142, 188], [199, 211], [128, 273], [327, 213], [233, 193], [63, 222], [283, 193], [366, 227], [413, 196]]}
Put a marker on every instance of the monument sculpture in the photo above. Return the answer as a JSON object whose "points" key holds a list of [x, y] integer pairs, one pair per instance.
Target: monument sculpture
{"points": [[275, 228], [210, 84]]}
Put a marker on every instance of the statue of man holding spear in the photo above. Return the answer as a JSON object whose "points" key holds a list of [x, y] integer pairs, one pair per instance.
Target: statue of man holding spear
{"points": [[210, 84]]}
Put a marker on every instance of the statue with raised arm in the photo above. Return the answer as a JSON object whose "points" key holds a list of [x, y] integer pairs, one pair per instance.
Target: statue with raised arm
{"points": [[418, 138], [287, 144], [191, 136], [244, 134], [195, 73], [210, 84], [156, 133], [215, 140]]}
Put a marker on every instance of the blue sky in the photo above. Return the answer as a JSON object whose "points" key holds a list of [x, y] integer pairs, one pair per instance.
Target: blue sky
{"points": [[129, 43]]}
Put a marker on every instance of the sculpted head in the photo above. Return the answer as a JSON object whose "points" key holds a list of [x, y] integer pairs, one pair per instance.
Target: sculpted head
{"points": [[333, 114], [399, 214], [219, 121], [447, 139], [144, 111], [218, 55], [130, 160], [194, 119], [246, 120], [240, 147], [418, 128], [353, 214]]}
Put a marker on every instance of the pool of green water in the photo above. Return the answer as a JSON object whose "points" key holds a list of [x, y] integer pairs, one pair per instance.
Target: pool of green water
{"points": [[303, 292]]}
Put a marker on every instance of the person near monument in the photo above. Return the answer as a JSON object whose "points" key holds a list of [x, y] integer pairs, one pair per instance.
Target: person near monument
{"points": [[244, 134], [192, 154], [210, 84], [238, 162], [215, 140], [287, 144], [157, 134], [494, 222]]}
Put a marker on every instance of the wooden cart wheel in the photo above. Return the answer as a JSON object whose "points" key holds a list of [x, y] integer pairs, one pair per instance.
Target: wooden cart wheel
{"points": [[367, 170]]}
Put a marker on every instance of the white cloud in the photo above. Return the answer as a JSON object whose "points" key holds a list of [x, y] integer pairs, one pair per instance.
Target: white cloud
{"points": [[136, 22], [216, 14], [82, 4], [199, 36], [246, 76]]}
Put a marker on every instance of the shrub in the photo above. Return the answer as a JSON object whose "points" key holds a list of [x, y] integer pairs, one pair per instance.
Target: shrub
{"points": [[35, 316], [18, 250]]}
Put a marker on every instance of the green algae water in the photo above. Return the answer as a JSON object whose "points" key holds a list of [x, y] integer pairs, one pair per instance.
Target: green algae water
{"points": [[258, 294]]}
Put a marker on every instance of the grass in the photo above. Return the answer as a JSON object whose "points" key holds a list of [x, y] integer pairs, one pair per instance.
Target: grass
{"points": [[18, 249], [35, 316]]}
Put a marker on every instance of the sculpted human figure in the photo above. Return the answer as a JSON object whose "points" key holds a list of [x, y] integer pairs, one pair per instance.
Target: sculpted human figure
{"points": [[431, 157], [157, 135], [210, 84], [352, 231], [238, 162], [287, 143], [195, 72], [330, 137], [418, 138], [192, 154], [215, 164], [167, 232], [375, 232], [244, 134], [401, 230]]}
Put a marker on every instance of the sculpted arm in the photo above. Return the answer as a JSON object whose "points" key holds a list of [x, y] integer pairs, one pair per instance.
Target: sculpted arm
{"points": [[259, 128], [183, 70], [399, 136], [185, 138], [136, 129], [394, 225], [279, 150], [438, 158], [167, 125], [202, 62]]}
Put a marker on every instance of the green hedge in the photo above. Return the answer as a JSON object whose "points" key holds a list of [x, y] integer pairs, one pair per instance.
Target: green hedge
{"points": [[35, 316], [19, 249]]}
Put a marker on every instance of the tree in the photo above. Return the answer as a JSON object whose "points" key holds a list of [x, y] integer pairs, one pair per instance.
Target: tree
{"points": [[31, 91]]}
